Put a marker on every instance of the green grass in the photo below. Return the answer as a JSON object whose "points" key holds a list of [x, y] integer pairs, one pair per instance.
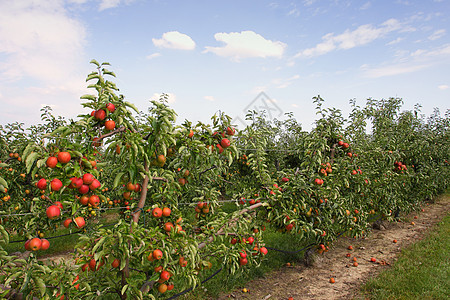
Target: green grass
{"points": [[421, 272]]}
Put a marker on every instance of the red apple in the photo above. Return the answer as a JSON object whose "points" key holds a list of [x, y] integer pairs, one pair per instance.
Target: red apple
{"points": [[42, 184], [94, 185], [35, 244], [84, 189], [100, 114], [53, 212], [51, 162], [110, 107], [110, 125], [225, 143], [56, 184], [67, 223], [88, 178], [45, 244], [64, 157], [157, 212], [94, 200], [79, 222], [263, 250]]}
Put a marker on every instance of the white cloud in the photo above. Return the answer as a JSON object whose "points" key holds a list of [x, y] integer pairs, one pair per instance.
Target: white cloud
{"points": [[294, 12], [397, 40], [437, 34], [40, 40], [362, 35], [443, 87], [417, 60], [105, 4], [284, 83], [175, 40], [245, 44], [394, 70], [154, 55], [171, 98], [366, 5], [209, 98]]}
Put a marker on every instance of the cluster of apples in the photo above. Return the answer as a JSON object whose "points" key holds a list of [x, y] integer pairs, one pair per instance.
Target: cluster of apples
{"points": [[399, 167], [243, 254], [157, 256], [224, 141], [36, 244]]}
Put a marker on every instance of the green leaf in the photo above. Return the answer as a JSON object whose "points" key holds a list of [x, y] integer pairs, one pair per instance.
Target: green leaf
{"points": [[3, 182], [124, 289], [117, 179], [93, 61], [89, 97], [30, 160], [131, 106]]}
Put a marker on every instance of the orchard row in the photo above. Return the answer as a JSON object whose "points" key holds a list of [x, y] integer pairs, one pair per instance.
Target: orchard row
{"points": [[169, 186]]}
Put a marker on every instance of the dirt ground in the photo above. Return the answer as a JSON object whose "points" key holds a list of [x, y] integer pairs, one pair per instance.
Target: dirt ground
{"points": [[313, 282]]}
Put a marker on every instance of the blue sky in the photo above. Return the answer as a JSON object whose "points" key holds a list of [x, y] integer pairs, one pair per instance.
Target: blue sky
{"points": [[219, 55]]}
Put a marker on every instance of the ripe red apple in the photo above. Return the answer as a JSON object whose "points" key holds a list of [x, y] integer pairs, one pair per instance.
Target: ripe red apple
{"points": [[45, 244], [56, 184], [230, 131], [164, 276], [243, 261], [250, 240], [284, 179], [92, 264], [94, 200], [27, 245], [191, 133], [263, 250], [88, 178], [94, 185], [59, 204], [137, 187], [182, 181], [341, 143], [100, 114], [182, 262], [225, 143], [243, 254], [110, 107], [115, 263], [51, 162], [345, 145], [157, 212], [42, 184], [157, 254], [168, 226], [233, 241], [53, 212], [35, 244], [64, 157], [220, 148], [67, 222], [84, 200], [84, 189], [79, 222], [289, 226], [76, 183], [110, 125], [354, 172], [166, 211]]}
